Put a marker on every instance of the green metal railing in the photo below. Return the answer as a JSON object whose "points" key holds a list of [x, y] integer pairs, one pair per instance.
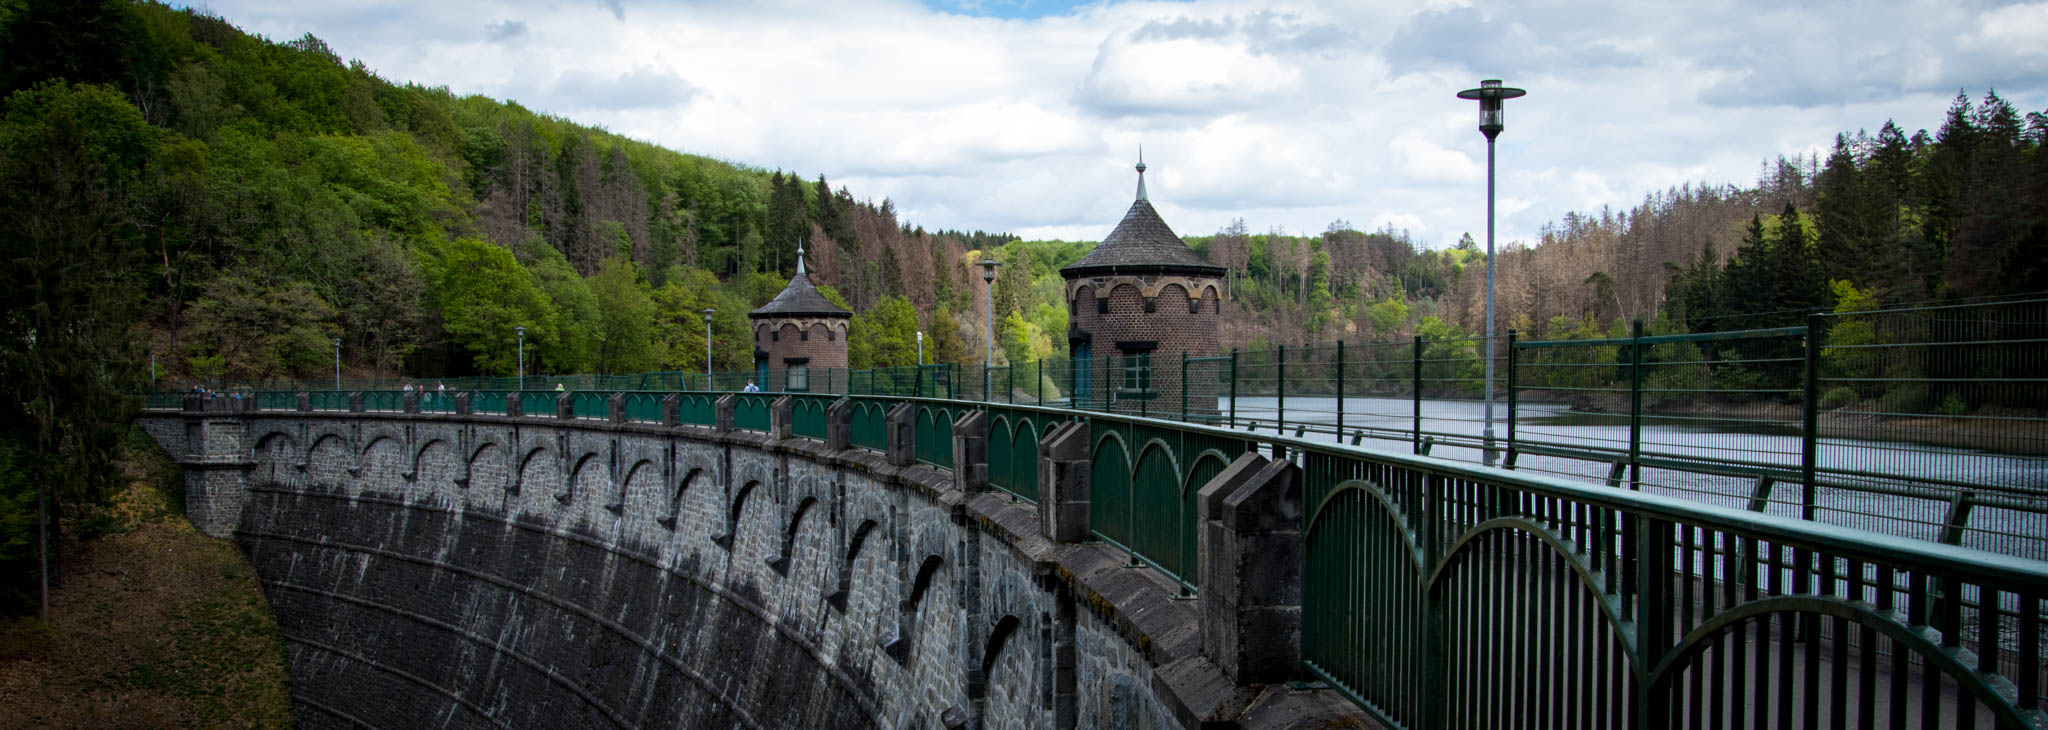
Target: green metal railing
{"points": [[539, 403], [590, 405], [1930, 422], [807, 415], [697, 409], [1013, 436], [644, 407], [383, 401], [489, 402], [1441, 594], [934, 432], [870, 423], [274, 400], [437, 402], [750, 411]]}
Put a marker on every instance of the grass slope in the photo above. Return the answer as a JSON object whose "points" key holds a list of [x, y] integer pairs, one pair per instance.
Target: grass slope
{"points": [[156, 626]]}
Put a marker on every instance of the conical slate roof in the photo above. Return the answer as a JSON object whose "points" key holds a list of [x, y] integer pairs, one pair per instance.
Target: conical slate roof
{"points": [[1141, 244], [800, 298]]}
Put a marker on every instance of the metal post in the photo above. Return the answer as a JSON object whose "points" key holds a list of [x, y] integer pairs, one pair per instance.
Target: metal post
{"points": [[1039, 383], [1635, 405], [1489, 300], [1415, 434], [920, 348], [1233, 387], [1809, 433], [337, 364], [1511, 389], [1183, 385], [1280, 376], [1012, 387], [1340, 391]]}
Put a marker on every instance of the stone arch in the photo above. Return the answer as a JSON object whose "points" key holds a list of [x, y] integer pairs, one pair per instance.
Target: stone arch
{"points": [[1126, 298], [587, 458], [999, 638], [1172, 292], [732, 516], [625, 482], [760, 333], [675, 500], [344, 437], [859, 541], [839, 331], [1212, 298], [438, 466], [818, 331], [487, 476], [786, 333], [780, 563], [268, 445], [332, 471], [900, 646], [383, 464], [1082, 293], [419, 447]]}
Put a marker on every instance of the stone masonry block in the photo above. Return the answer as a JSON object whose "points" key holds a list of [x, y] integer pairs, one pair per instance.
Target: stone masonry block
{"points": [[779, 413], [839, 425], [1063, 482], [722, 412], [1250, 548], [970, 452], [901, 424]]}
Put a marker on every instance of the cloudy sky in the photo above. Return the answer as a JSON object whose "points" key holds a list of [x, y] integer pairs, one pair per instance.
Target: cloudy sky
{"points": [[1026, 115]]}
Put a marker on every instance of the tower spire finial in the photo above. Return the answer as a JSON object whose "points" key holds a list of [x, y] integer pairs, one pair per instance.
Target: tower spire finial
{"points": [[1141, 172], [799, 258]]}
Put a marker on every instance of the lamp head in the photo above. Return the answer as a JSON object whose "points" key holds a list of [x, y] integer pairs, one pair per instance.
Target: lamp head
{"points": [[988, 270], [1491, 95]]}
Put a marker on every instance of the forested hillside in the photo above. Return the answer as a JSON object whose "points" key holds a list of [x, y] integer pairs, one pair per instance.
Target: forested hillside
{"points": [[180, 199]]}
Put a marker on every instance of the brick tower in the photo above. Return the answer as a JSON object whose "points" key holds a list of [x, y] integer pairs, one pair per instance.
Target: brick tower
{"points": [[796, 333], [1135, 304]]}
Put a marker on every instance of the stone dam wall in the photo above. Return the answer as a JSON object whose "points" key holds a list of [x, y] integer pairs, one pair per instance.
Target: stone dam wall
{"points": [[476, 571]]}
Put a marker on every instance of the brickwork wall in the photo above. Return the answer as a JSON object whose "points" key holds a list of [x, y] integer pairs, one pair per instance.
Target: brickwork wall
{"points": [[1170, 324], [823, 341]]}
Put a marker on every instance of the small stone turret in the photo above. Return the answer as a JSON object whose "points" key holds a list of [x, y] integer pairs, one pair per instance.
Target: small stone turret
{"points": [[797, 332], [1135, 304]]}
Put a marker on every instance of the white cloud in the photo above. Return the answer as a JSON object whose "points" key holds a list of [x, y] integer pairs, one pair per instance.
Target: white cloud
{"points": [[1423, 160], [1289, 114]]}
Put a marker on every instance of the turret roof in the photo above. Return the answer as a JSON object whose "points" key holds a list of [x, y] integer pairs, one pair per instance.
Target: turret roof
{"points": [[1141, 244]]}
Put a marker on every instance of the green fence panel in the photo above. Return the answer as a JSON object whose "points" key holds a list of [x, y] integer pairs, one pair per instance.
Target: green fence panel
{"points": [[807, 415], [489, 402], [538, 403], [935, 435], [591, 405], [384, 401], [276, 400], [750, 412], [697, 409], [870, 424], [1109, 489], [644, 407]]}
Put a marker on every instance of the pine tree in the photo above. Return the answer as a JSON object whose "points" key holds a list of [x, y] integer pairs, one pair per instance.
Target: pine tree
{"points": [[1941, 180]]}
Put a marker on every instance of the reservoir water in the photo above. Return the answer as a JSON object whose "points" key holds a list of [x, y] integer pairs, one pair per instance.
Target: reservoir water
{"points": [[1891, 487]]}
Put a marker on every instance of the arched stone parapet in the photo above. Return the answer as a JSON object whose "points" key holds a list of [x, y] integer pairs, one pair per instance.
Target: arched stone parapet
{"points": [[1149, 286]]}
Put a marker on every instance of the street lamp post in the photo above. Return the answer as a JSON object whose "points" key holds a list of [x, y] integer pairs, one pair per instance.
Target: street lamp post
{"points": [[522, 357], [1491, 96], [920, 348], [988, 356], [707, 312], [337, 364]]}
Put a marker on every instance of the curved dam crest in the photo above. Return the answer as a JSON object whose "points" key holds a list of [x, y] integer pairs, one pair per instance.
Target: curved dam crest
{"points": [[491, 571]]}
